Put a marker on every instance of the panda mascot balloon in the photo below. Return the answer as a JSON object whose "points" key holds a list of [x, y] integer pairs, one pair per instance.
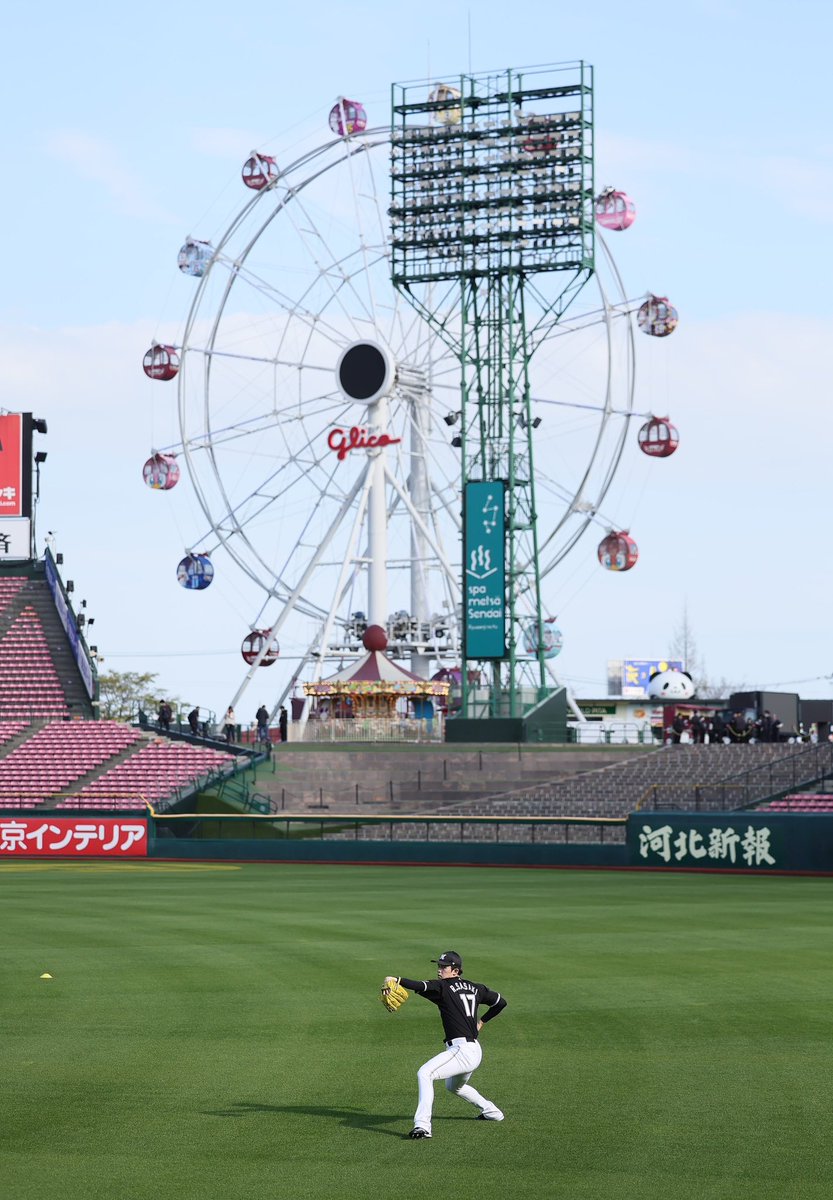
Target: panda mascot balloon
{"points": [[670, 685]]}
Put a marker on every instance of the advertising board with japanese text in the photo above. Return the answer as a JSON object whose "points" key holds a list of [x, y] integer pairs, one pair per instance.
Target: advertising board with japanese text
{"points": [[743, 840], [69, 622], [723, 841], [15, 539], [484, 558], [73, 837], [11, 465]]}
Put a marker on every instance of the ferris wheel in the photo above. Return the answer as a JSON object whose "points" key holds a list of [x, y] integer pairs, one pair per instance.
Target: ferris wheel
{"points": [[319, 413]]}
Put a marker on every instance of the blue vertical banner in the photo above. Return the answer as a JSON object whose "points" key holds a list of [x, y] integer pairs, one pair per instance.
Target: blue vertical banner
{"points": [[484, 569]]}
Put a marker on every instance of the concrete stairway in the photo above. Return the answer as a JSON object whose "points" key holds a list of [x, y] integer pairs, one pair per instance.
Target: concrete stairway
{"points": [[417, 780]]}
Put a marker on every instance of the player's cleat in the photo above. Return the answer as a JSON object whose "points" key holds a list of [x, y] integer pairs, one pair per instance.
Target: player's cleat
{"points": [[498, 1116], [419, 1133]]}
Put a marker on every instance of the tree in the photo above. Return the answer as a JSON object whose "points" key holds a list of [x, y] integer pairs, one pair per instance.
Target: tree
{"points": [[684, 647], [121, 693]]}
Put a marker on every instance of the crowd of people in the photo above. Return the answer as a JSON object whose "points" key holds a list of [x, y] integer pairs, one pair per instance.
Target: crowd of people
{"points": [[706, 726], [230, 729]]}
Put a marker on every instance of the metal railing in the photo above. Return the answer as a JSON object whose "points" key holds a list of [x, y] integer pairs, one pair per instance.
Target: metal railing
{"points": [[401, 827], [376, 729], [611, 733]]}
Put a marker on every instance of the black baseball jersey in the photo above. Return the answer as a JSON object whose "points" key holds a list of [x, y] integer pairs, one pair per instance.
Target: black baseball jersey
{"points": [[458, 1000]]}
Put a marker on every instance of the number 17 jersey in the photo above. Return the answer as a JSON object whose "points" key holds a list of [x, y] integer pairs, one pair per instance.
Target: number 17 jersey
{"points": [[458, 1001]]}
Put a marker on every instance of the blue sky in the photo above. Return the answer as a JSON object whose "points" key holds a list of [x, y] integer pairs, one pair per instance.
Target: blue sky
{"points": [[125, 132]]}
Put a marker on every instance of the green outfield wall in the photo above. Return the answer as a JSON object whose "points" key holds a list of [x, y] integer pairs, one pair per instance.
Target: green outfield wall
{"points": [[483, 841], [749, 842], [733, 841], [414, 853]]}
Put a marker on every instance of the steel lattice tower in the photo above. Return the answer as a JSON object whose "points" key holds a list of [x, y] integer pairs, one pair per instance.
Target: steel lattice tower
{"points": [[492, 237]]}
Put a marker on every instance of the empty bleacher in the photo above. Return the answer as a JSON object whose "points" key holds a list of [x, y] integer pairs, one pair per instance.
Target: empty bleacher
{"points": [[53, 754], [682, 778], [57, 755], [39, 676], [30, 685], [10, 585], [800, 802], [154, 773], [10, 729], [101, 764]]}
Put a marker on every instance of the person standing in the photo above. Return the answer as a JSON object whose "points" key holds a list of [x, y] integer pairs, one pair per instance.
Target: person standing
{"points": [[738, 728], [229, 724], [194, 721], [679, 726], [283, 722], [696, 728], [165, 716], [262, 718], [458, 1000]]}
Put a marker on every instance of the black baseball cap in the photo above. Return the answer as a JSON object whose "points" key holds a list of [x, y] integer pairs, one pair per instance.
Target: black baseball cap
{"points": [[449, 958]]}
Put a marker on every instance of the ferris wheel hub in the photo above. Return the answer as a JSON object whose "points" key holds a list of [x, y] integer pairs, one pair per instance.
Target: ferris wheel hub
{"points": [[365, 372]]}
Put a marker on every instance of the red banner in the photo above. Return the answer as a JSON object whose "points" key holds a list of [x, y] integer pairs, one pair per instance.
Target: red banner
{"points": [[73, 837], [11, 465]]}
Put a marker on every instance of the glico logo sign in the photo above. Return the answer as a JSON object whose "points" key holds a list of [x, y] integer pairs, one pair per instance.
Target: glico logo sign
{"points": [[343, 441]]}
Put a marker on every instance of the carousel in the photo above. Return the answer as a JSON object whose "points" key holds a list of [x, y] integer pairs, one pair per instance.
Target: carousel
{"points": [[375, 699]]}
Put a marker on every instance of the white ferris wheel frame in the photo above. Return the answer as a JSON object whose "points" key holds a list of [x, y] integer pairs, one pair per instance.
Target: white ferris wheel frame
{"points": [[580, 504]]}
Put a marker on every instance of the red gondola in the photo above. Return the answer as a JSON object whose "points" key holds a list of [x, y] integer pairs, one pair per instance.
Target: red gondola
{"points": [[253, 644], [618, 551], [347, 117], [259, 170], [161, 472], [657, 317], [161, 362], [658, 438], [615, 210]]}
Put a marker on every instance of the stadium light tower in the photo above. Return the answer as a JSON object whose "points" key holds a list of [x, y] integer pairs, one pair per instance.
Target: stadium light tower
{"points": [[492, 238]]}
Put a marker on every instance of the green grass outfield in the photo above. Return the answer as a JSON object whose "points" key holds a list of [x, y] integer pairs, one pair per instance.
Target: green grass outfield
{"points": [[213, 1032]]}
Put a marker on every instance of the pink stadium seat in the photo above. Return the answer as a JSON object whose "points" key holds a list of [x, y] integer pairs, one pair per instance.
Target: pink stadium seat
{"points": [[30, 684], [57, 754]]}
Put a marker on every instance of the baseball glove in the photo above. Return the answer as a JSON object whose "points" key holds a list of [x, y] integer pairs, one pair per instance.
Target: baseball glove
{"points": [[393, 995]]}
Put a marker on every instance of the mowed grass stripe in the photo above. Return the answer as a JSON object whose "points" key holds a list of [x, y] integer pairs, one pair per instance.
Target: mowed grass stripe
{"points": [[217, 1034]]}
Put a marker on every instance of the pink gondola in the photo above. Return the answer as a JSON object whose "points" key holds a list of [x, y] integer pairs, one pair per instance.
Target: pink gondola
{"points": [[615, 210]]}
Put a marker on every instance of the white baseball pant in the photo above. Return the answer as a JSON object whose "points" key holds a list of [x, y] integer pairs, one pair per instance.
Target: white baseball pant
{"points": [[455, 1065]]}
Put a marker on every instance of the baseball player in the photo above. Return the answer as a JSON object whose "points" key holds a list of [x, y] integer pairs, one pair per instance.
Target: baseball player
{"points": [[458, 1000]]}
